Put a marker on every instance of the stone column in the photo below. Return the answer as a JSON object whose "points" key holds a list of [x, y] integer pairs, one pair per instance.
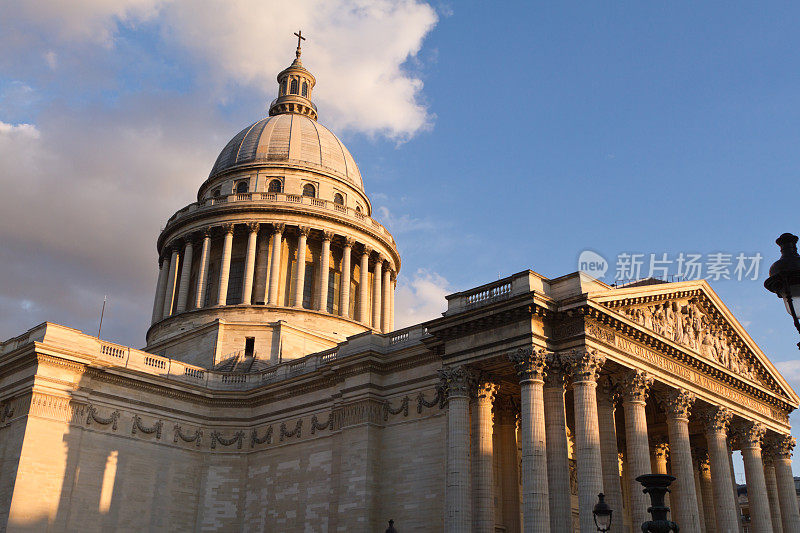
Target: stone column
{"points": [[376, 294], [391, 305], [161, 287], [734, 486], [483, 456], [659, 458], [607, 396], [324, 271], [790, 518], [186, 273], [225, 264], [725, 507], [458, 515], [635, 386], [275, 263], [363, 287], [678, 404], [772, 492], [530, 364], [300, 270], [749, 437], [250, 263], [699, 495], [555, 424], [506, 426], [387, 299], [706, 490], [202, 273], [169, 292], [586, 366], [344, 291]]}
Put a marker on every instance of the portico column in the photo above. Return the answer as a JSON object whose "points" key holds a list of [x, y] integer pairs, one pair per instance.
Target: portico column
{"points": [[725, 507], [300, 270], [606, 398], [699, 494], [169, 293], [363, 287], [275, 263], [344, 291], [790, 517], [678, 404], [530, 366], [749, 436], [586, 366], [772, 492], [376, 294], [506, 429], [483, 456], [635, 386], [706, 490], [391, 305], [202, 274], [250, 263], [555, 426], [387, 299], [161, 287], [458, 516], [324, 271], [734, 486], [225, 264], [186, 272]]}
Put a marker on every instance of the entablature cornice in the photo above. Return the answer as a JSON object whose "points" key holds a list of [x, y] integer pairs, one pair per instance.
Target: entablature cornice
{"points": [[488, 317]]}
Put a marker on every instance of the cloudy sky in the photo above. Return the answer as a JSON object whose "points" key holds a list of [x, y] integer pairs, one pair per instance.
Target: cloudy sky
{"points": [[489, 143]]}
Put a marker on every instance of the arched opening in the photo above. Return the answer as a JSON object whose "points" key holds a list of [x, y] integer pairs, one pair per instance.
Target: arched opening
{"points": [[309, 190], [294, 87], [242, 187], [216, 193], [358, 209], [305, 89], [275, 186], [283, 87], [338, 199]]}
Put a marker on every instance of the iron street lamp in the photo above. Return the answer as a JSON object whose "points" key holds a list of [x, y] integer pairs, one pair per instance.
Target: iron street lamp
{"points": [[602, 514], [657, 486], [784, 276]]}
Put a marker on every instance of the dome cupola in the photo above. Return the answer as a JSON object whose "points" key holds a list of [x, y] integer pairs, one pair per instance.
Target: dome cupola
{"points": [[295, 84]]}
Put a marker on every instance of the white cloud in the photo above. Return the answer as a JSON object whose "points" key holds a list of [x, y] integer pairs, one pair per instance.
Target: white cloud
{"points": [[356, 49], [420, 298], [402, 223], [791, 371]]}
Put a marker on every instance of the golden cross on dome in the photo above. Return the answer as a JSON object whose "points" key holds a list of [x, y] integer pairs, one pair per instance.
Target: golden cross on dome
{"points": [[299, 35]]}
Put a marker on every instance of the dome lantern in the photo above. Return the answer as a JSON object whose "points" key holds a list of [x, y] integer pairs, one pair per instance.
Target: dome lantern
{"points": [[295, 84]]}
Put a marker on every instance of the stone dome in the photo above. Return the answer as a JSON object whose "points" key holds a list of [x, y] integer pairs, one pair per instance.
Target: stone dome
{"points": [[289, 138]]}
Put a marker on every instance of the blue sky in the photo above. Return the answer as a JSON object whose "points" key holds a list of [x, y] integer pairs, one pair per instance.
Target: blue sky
{"points": [[491, 139]]}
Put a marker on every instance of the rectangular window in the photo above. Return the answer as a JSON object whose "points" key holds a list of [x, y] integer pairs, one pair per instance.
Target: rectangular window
{"points": [[334, 281], [235, 283], [308, 287], [211, 285], [249, 346]]}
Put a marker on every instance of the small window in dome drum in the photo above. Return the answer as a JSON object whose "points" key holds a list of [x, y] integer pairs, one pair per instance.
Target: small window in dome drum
{"points": [[338, 199], [242, 187], [309, 190], [294, 87], [283, 87], [275, 186], [305, 89], [216, 193]]}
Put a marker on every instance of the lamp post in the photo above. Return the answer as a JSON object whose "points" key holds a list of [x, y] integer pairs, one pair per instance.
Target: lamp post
{"points": [[602, 514], [784, 276], [656, 485]]}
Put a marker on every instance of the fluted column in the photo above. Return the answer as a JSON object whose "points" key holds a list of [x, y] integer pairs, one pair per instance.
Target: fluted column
{"points": [[772, 492], [169, 292], [186, 272], [701, 513], [202, 273], [483, 456], [300, 270], [376, 294], [363, 287], [506, 428], [458, 516], [344, 291], [606, 399], [635, 386], [659, 458], [530, 366], [749, 437], [734, 487], [387, 299], [678, 404], [790, 517], [225, 264], [725, 508], [275, 263], [555, 425], [585, 371], [161, 287], [391, 305], [324, 271], [706, 490], [250, 263]]}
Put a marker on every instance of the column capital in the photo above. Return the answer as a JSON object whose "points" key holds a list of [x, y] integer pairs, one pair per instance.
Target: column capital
{"points": [[661, 449], [609, 389], [252, 227], [585, 365], [529, 363], [557, 371], [304, 231], [780, 446], [701, 457], [716, 419], [749, 435], [278, 227], [349, 242], [635, 386], [227, 228], [505, 410], [366, 251], [455, 381], [327, 235], [677, 403], [483, 389]]}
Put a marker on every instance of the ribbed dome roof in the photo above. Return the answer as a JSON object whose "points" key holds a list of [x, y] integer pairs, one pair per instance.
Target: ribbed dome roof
{"points": [[289, 138]]}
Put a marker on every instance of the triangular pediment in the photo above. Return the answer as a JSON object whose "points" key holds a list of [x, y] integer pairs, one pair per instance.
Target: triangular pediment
{"points": [[691, 315]]}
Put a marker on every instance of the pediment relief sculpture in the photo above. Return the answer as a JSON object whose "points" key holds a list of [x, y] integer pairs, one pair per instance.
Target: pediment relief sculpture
{"points": [[691, 324]]}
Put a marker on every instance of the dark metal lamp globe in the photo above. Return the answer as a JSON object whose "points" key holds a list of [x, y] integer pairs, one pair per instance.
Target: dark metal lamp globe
{"points": [[784, 276], [602, 514]]}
